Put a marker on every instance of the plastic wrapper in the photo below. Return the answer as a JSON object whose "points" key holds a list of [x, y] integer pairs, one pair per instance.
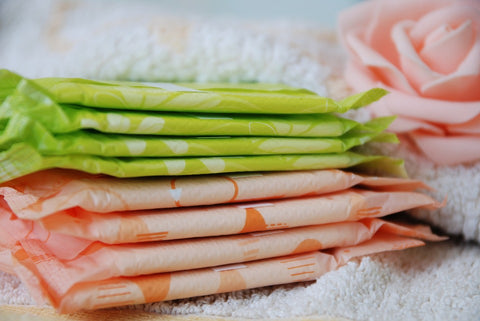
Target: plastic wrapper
{"points": [[44, 193], [23, 129], [225, 98], [170, 224], [36, 105], [31, 103], [185, 284], [34, 260], [22, 159]]}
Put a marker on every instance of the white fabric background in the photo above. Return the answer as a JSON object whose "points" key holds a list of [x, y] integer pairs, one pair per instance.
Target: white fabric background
{"points": [[139, 41]]}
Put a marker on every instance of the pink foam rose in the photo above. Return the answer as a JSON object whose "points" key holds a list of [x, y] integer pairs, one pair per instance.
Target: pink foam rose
{"points": [[427, 54]]}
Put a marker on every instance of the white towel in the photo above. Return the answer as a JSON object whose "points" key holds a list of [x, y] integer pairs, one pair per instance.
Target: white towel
{"points": [[137, 41], [436, 282]]}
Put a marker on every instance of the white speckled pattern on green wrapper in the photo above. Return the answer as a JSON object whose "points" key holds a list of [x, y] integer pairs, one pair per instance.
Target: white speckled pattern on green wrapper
{"points": [[67, 118], [275, 128], [21, 128], [253, 98], [204, 98], [22, 159]]}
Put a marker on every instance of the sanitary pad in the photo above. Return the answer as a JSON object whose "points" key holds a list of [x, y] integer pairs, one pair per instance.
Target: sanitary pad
{"points": [[157, 228], [34, 258], [48, 192]]}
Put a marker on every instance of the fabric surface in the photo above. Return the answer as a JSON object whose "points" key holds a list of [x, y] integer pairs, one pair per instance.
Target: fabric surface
{"points": [[437, 282], [21, 313]]}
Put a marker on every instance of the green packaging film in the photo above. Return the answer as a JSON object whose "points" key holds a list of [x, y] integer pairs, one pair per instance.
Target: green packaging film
{"points": [[22, 159], [25, 129], [127, 129], [212, 98], [30, 102], [203, 98]]}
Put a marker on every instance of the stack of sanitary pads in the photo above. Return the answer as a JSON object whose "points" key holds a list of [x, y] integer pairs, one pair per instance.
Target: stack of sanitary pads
{"points": [[118, 193]]}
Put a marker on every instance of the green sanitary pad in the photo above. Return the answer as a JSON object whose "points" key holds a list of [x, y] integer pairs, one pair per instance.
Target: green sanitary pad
{"points": [[127, 129], [211, 98], [28, 100], [202, 98], [25, 129], [22, 159]]}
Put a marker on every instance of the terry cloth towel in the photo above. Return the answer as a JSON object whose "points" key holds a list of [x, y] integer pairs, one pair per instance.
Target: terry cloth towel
{"points": [[145, 45], [439, 281]]}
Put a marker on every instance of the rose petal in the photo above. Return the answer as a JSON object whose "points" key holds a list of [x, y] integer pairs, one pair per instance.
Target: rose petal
{"points": [[434, 36], [459, 86], [399, 103], [382, 68], [416, 71], [431, 110], [470, 127], [448, 150], [386, 14], [425, 29], [443, 55], [379, 17], [405, 124], [463, 84], [454, 88]]}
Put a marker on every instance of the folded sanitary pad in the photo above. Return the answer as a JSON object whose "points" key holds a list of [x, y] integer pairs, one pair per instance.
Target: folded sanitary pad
{"points": [[35, 105], [24, 129], [53, 122], [48, 192], [105, 201], [184, 284], [33, 258], [155, 225], [223, 98]]}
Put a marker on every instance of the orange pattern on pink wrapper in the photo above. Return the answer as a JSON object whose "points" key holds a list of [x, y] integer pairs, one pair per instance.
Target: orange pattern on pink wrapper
{"points": [[247, 240], [131, 225], [172, 186], [235, 187], [297, 259], [307, 246], [276, 226], [112, 287], [37, 259], [231, 280], [149, 237], [113, 304], [112, 292], [300, 266], [20, 254], [306, 273], [254, 221], [154, 289], [250, 255], [112, 295]]}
